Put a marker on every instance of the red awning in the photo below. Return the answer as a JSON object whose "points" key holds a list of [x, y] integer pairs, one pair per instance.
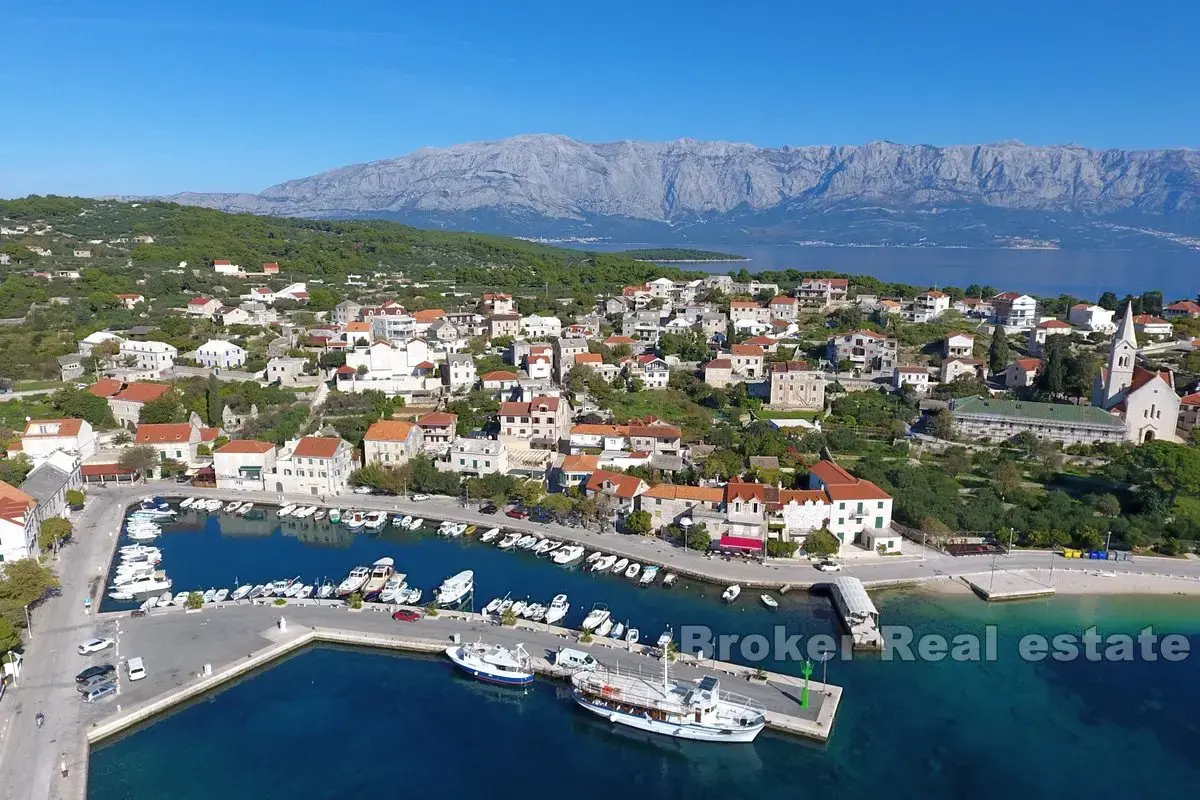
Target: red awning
{"points": [[741, 543]]}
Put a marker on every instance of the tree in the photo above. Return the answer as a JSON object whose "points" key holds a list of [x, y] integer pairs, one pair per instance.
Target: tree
{"points": [[1006, 478], [1106, 504], [778, 548], [998, 350], [15, 469], [1052, 378], [10, 638], [558, 505], [821, 542], [165, 409], [75, 498], [942, 425], [195, 600], [140, 459], [216, 403], [53, 532], [639, 522], [1108, 300], [81, 404]]}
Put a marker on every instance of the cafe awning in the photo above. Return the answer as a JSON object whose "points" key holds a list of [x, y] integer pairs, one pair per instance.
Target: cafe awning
{"points": [[740, 543]]}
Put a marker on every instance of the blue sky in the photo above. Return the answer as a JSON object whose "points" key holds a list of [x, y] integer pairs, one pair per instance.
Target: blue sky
{"points": [[141, 97]]}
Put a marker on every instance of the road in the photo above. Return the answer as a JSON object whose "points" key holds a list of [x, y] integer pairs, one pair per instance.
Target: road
{"points": [[29, 757]]}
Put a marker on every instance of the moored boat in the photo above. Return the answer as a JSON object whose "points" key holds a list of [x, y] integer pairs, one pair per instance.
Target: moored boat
{"points": [[416, 524], [241, 592], [768, 601], [670, 579], [595, 617], [381, 570], [509, 541], [620, 566], [455, 588], [493, 663], [220, 595], [354, 581], [603, 563], [633, 570], [489, 535], [731, 594], [648, 575], [557, 610]]}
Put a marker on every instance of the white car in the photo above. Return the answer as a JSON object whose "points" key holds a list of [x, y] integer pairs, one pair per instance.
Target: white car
{"points": [[363, 490], [829, 566], [95, 646], [420, 498]]}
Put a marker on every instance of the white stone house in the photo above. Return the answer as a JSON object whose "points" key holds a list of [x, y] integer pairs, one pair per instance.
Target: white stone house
{"points": [[244, 464], [220, 354]]}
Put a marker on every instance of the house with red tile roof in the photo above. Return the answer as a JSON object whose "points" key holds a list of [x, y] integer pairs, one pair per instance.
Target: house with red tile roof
{"points": [[19, 524], [1021, 373], [392, 442], [1144, 399], [127, 399], [176, 441], [539, 424], [440, 429], [42, 437], [244, 464], [314, 465], [203, 307], [1184, 308], [621, 489]]}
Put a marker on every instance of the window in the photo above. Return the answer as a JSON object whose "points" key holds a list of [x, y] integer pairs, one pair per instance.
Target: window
{"points": [[879, 523]]}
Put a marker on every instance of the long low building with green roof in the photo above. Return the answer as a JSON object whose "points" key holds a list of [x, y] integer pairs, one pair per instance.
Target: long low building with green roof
{"points": [[999, 419]]}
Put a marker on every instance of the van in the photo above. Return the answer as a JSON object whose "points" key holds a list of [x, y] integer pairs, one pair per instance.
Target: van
{"points": [[99, 693], [574, 660], [137, 669]]}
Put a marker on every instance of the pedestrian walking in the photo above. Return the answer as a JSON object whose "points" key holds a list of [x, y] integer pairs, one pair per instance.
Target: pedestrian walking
{"points": [[62, 765]]}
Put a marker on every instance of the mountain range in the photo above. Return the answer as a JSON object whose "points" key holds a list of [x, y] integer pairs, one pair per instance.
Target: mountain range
{"points": [[687, 191]]}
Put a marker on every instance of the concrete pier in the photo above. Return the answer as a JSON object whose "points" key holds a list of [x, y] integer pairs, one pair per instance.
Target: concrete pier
{"points": [[1002, 586], [237, 639]]}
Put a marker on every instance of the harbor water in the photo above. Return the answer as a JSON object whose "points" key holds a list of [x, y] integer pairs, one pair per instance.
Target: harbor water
{"points": [[329, 722]]}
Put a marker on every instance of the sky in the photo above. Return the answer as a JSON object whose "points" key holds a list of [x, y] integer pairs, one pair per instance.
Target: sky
{"points": [[135, 97]]}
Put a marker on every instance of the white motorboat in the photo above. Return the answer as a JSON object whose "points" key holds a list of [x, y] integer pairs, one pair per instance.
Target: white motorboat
{"points": [[276, 588], [633, 570], [285, 510], [680, 709], [509, 540], [293, 588], [326, 591], [209, 595], [179, 599], [489, 534], [374, 520], [620, 566], [395, 585], [416, 524], [305, 592], [120, 594], [241, 592], [335, 515], [603, 563], [151, 585], [258, 591], [354, 581], [532, 609], [187, 502], [149, 603], [134, 549], [506, 605], [245, 509], [528, 542], [632, 635], [165, 599], [493, 605], [412, 596], [538, 613], [455, 588], [604, 628], [304, 512], [458, 529], [214, 505], [354, 519], [731, 594], [142, 535], [518, 608], [594, 557], [670, 579], [381, 570], [557, 610], [597, 615], [493, 663], [319, 515], [402, 522], [618, 631], [233, 507], [220, 596], [545, 546], [648, 575], [568, 555], [768, 601]]}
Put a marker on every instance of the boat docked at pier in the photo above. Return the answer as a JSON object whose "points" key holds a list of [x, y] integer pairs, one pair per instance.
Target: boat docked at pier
{"points": [[493, 663], [455, 588], [697, 710], [354, 581], [381, 570]]}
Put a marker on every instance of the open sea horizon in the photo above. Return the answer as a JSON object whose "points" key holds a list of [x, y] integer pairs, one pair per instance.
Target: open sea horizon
{"points": [[332, 722]]}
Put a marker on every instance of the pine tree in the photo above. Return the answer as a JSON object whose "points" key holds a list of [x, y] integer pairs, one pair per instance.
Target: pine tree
{"points": [[998, 350]]}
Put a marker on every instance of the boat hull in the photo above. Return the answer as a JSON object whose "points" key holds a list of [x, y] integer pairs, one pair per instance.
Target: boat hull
{"points": [[675, 730], [488, 677]]}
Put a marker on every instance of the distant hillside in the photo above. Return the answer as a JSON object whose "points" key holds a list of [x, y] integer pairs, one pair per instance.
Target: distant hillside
{"points": [[319, 248], [666, 255], [881, 193]]}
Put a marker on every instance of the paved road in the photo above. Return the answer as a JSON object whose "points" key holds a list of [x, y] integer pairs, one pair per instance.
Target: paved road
{"points": [[29, 758]]}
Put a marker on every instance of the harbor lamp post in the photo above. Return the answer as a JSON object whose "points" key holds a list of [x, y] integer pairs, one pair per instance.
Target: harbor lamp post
{"points": [[807, 670]]}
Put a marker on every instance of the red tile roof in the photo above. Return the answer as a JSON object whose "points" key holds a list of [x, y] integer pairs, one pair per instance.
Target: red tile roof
{"points": [[746, 350], [388, 430], [103, 470], [580, 463], [245, 447], [428, 315], [1192, 399], [105, 387], [1149, 319], [66, 427], [719, 363], [14, 504], [831, 473], [1029, 364], [437, 419], [164, 433], [589, 358], [317, 447], [741, 490], [142, 392], [199, 301], [1053, 323], [514, 410], [700, 494], [499, 375], [615, 483], [790, 366]]}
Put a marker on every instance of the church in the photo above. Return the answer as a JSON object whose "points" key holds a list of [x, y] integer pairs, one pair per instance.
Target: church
{"points": [[1143, 399]]}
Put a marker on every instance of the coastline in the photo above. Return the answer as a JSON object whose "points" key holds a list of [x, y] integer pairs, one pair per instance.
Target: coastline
{"points": [[1086, 582]]}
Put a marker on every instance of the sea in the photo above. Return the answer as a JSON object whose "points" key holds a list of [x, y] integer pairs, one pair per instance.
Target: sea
{"points": [[335, 723], [1043, 273]]}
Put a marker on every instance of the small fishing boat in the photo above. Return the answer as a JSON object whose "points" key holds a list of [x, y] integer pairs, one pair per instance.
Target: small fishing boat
{"points": [[620, 566], [233, 507], [768, 601], [285, 510], [538, 613], [509, 540], [402, 522], [354, 581], [258, 591], [416, 524], [593, 558], [597, 615], [554, 546], [505, 606], [179, 599], [412, 596], [374, 520], [648, 575], [568, 555], [220, 596], [469, 530], [455, 588], [120, 594], [557, 610], [381, 570], [489, 535], [354, 519], [545, 546], [241, 592], [245, 509], [731, 594], [633, 570], [493, 663], [528, 542], [305, 592], [458, 529], [518, 607], [293, 588], [618, 631], [335, 515], [187, 502], [165, 599], [209, 595], [605, 627], [603, 563], [493, 605], [319, 515], [326, 591], [444, 528], [632, 635], [670, 579]]}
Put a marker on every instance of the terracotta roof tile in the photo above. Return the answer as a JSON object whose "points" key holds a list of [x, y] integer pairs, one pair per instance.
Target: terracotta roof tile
{"points": [[317, 447], [389, 430]]}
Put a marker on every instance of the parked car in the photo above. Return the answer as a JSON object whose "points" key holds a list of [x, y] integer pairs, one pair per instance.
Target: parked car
{"points": [[138, 612], [92, 672], [363, 490], [95, 682], [420, 498], [136, 668], [488, 508], [94, 646], [406, 615], [829, 566], [99, 693], [516, 513]]}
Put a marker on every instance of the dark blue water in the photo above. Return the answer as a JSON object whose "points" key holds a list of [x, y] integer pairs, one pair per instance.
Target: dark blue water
{"points": [[333, 723], [1082, 273]]}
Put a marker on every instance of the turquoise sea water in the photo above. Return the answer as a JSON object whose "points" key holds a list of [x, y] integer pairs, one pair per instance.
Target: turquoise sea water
{"points": [[330, 723]]}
